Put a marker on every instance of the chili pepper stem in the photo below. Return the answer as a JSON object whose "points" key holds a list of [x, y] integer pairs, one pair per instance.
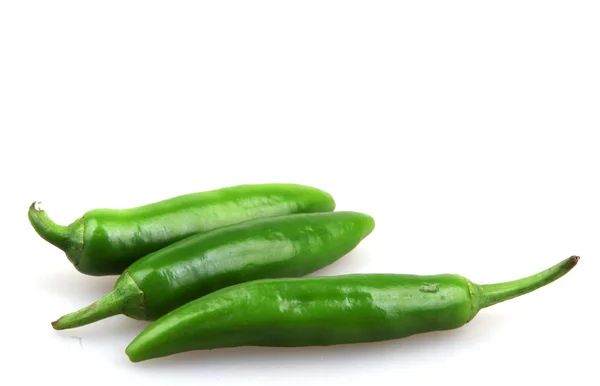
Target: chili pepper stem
{"points": [[496, 293], [109, 305], [53, 233], [124, 297]]}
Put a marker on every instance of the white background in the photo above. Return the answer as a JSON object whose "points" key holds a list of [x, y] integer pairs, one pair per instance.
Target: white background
{"points": [[467, 129]]}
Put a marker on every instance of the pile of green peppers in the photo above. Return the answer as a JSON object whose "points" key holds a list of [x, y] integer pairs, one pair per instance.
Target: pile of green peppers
{"points": [[228, 268]]}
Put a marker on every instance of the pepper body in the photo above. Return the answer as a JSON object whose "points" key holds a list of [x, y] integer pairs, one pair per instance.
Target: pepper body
{"points": [[106, 241], [319, 311], [323, 311], [283, 246]]}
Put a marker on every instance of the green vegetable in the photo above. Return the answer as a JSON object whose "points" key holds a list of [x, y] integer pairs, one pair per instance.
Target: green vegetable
{"points": [[283, 246], [321, 311], [106, 241]]}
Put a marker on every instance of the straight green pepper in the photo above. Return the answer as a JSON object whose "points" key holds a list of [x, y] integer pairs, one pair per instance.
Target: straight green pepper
{"points": [[106, 241], [283, 246], [322, 311]]}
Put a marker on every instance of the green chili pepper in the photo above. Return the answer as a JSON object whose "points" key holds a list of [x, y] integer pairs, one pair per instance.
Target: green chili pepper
{"points": [[284, 246], [106, 241], [322, 311]]}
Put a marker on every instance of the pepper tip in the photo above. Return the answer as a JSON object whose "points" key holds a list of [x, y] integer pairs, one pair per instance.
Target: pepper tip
{"points": [[575, 259], [131, 355]]}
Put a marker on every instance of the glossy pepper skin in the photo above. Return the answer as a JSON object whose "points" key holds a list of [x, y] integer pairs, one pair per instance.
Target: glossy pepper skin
{"points": [[284, 246], [106, 241], [322, 311]]}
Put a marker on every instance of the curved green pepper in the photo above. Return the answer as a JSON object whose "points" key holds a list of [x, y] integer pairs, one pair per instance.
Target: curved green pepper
{"points": [[284, 246], [322, 311], [106, 241]]}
